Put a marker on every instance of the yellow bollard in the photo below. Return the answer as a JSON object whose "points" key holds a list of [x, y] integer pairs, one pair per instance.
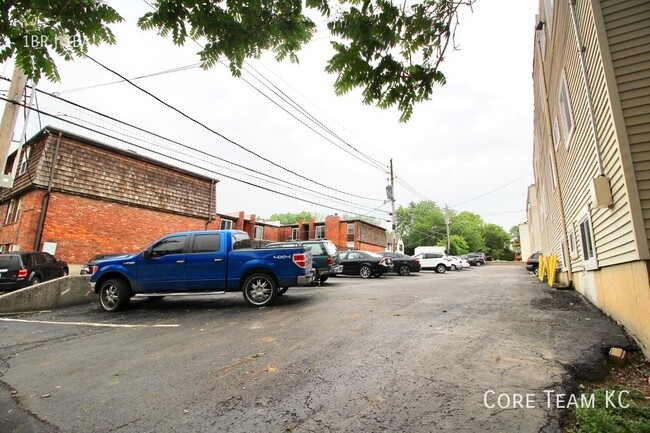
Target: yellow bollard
{"points": [[552, 265], [541, 268]]}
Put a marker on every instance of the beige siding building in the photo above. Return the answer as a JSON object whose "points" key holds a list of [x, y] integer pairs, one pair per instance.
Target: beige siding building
{"points": [[591, 154]]}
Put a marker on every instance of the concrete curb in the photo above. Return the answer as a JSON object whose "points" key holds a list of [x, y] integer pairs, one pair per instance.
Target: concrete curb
{"points": [[61, 292]]}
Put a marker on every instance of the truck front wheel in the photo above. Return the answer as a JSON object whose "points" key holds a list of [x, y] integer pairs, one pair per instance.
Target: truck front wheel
{"points": [[114, 295], [259, 290]]}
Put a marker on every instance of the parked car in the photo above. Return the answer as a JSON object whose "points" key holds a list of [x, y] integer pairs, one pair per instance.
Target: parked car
{"points": [[88, 268], [456, 264], [461, 262], [438, 262], [365, 264], [325, 256], [532, 264], [402, 264], [20, 269], [475, 259]]}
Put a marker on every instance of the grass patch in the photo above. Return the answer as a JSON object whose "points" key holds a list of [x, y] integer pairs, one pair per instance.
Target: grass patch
{"points": [[620, 403], [613, 411]]}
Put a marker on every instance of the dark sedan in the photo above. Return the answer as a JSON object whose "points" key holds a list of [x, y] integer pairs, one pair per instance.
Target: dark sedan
{"points": [[402, 264], [365, 264]]}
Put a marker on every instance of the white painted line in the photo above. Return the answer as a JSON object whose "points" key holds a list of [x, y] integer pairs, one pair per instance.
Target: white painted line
{"points": [[97, 325]]}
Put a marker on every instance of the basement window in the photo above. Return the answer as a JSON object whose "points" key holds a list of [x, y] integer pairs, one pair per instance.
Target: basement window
{"points": [[587, 243]]}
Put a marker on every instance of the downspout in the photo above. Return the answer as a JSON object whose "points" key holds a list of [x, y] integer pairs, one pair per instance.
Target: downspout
{"points": [[212, 197], [46, 197], [549, 125]]}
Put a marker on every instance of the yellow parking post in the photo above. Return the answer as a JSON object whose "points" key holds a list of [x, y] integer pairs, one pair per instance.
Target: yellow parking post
{"points": [[541, 268], [552, 265]]}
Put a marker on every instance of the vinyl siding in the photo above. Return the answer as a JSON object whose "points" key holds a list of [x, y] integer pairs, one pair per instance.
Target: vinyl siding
{"points": [[627, 24]]}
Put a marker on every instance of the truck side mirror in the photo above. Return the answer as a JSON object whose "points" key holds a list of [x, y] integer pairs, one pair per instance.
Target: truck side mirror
{"points": [[146, 254]]}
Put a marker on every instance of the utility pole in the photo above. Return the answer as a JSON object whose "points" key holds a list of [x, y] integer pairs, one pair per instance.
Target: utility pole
{"points": [[391, 197], [447, 224], [8, 123]]}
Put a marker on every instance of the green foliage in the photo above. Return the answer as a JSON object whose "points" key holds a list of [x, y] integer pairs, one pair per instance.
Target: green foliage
{"points": [[32, 30], [469, 226], [497, 240], [421, 223], [612, 418], [391, 51], [292, 218], [458, 245], [514, 233]]}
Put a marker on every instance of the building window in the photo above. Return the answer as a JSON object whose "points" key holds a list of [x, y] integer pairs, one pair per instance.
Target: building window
{"points": [[13, 211], [587, 243], [556, 133], [548, 14], [23, 162], [294, 234], [350, 232], [225, 225], [259, 232], [320, 232], [565, 111], [551, 167], [573, 251]]}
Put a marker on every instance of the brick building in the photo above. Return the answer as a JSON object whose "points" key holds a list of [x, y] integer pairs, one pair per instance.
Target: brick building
{"points": [[77, 197], [346, 234]]}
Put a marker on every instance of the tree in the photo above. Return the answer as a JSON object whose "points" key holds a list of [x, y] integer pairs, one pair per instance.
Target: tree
{"points": [[421, 223], [458, 245], [469, 226], [32, 29], [391, 51], [292, 218], [497, 241]]}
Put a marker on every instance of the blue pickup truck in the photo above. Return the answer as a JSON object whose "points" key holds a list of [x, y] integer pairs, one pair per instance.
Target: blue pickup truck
{"points": [[201, 262]]}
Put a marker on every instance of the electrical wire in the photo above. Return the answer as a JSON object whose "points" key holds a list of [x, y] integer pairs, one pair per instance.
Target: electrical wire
{"points": [[203, 125], [178, 160], [166, 139]]}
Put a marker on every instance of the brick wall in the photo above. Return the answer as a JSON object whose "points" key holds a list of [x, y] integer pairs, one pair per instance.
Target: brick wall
{"points": [[82, 227], [23, 232]]}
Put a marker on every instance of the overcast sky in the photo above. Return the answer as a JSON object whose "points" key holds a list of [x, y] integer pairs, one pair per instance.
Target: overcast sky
{"points": [[470, 146]]}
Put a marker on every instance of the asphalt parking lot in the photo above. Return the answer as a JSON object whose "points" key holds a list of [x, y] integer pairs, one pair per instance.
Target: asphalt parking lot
{"points": [[424, 353]]}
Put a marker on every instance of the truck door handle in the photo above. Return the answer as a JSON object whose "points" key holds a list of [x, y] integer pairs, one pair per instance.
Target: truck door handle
{"points": [[218, 260], [180, 262]]}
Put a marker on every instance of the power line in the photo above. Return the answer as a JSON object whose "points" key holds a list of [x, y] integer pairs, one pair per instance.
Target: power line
{"points": [[203, 125], [494, 190], [178, 160], [166, 139]]}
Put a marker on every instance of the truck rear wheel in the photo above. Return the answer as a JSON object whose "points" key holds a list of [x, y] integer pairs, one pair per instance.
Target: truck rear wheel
{"points": [[259, 290], [114, 295]]}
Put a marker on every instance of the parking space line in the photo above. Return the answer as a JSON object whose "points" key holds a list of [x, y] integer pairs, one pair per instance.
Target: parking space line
{"points": [[97, 325]]}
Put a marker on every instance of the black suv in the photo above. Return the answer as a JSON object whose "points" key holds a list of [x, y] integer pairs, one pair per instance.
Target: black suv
{"points": [[325, 256], [19, 269]]}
